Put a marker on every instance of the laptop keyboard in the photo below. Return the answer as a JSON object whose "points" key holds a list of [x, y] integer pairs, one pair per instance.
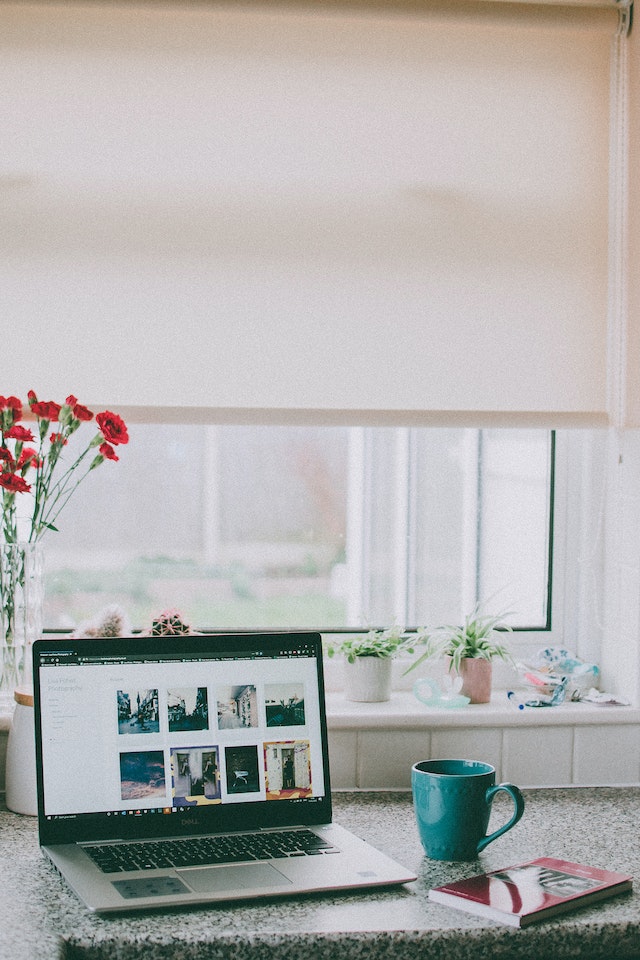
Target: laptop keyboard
{"points": [[201, 851]]}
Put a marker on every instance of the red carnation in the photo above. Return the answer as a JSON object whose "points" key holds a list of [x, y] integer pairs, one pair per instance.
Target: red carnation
{"points": [[82, 413], [13, 483], [18, 432], [28, 458], [75, 410], [21, 460], [108, 452], [12, 403], [45, 409], [113, 427]]}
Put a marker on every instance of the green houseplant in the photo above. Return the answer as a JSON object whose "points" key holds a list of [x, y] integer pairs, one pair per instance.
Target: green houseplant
{"points": [[368, 660], [470, 650]]}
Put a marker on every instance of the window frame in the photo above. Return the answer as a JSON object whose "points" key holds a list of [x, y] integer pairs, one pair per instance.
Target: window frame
{"points": [[553, 632], [361, 491]]}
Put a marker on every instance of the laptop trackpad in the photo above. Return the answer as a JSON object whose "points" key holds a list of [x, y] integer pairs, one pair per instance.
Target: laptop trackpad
{"points": [[219, 879]]}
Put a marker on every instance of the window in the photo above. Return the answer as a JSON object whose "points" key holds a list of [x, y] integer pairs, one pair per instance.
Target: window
{"points": [[242, 527]]}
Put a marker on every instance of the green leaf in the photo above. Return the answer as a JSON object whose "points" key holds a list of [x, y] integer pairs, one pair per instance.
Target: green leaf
{"points": [[481, 636]]}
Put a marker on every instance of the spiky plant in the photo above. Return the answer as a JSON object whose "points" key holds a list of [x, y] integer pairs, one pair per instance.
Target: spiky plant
{"points": [[481, 636], [170, 623], [112, 622]]}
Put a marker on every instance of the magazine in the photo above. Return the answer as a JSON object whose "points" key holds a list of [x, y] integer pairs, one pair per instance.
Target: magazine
{"points": [[531, 891]]}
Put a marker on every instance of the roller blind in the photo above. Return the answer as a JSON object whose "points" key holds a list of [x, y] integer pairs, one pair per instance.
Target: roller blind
{"points": [[339, 213]]}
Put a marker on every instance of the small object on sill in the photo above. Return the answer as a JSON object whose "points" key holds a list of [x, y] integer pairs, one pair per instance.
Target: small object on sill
{"points": [[111, 621], [170, 623], [514, 700], [553, 666], [448, 696], [604, 699], [557, 697]]}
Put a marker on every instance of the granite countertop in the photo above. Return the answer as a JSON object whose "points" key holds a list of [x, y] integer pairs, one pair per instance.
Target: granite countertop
{"points": [[42, 919]]}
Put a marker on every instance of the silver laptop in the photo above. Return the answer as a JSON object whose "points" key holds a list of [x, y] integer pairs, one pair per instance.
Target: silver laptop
{"points": [[190, 770]]}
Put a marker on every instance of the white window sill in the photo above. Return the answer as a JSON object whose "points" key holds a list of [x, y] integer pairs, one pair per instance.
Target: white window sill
{"points": [[403, 711]]}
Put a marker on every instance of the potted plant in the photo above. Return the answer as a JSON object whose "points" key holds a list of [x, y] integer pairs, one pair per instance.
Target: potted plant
{"points": [[470, 650], [368, 661]]}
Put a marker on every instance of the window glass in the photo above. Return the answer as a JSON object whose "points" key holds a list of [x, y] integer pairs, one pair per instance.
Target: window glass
{"points": [[241, 527], [514, 504]]}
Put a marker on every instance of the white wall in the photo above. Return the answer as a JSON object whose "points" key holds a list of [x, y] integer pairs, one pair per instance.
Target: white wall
{"points": [[621, 640], [620, 656]]}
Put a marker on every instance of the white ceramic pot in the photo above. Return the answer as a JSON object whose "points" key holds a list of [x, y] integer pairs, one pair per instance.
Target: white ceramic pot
{"points": [[368, 679], [21, 756]]}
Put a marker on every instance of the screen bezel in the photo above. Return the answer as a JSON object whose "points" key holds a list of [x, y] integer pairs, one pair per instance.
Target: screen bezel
{"points": [[215, 818]]}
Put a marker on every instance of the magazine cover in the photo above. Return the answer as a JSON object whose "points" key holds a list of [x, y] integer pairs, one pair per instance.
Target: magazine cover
{"points": [[531, 891]]}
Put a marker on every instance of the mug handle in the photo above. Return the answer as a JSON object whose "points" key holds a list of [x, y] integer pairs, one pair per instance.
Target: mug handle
{"points": [[518, 810]]}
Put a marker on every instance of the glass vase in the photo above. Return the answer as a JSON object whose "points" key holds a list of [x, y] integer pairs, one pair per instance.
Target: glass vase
{"points": [[21, 602]]}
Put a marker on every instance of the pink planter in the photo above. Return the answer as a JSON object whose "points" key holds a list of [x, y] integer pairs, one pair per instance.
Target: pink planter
{"points": [[476, 673]]}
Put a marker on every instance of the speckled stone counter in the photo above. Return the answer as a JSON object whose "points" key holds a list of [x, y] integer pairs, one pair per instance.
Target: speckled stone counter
{"points": [[40, 918]]}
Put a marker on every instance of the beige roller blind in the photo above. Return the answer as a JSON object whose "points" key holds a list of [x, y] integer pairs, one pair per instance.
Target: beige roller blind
{"points": [[375, 213]]}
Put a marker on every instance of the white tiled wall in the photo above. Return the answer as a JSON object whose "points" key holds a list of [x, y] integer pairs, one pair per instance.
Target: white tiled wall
{"points": [[479, 744], [528, 759], [591, 754], [604, 755]]}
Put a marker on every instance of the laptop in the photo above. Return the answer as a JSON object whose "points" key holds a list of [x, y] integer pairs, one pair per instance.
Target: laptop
{"points": [[190, 770]]}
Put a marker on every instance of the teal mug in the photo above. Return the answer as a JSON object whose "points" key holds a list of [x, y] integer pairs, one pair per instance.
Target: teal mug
{"points": [[452, 801]]}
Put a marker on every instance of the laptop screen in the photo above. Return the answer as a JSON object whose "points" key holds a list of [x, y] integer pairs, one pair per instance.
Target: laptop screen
{"points": [[157, 736]]}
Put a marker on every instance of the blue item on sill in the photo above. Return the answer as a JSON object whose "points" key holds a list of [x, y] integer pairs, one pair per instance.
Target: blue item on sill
{"points": [[556, 697], [447, 696]]}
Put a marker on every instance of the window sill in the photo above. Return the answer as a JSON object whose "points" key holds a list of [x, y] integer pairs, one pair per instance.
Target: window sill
{"points": [[403, 711]]}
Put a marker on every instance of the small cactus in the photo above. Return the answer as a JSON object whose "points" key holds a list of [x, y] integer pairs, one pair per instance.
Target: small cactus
{"points": [[113, 622], [170, 623], [110, 622]]}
